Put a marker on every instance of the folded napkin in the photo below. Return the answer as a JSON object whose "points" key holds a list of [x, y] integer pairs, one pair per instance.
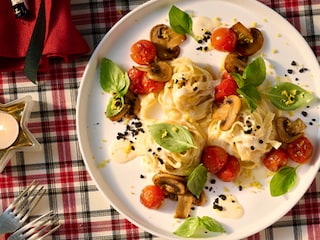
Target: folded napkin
{"points": [[61, 39]]}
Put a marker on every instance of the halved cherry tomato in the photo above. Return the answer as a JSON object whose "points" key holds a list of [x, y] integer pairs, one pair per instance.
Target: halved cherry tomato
{"points": [[141, 84], [300, 150], [276, 159], [152, 196], [227, 87], [230, 170], [214, 158], [224, 39], [143, 52]]}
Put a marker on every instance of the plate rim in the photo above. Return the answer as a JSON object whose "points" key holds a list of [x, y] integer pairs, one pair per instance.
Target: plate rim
{"points": [[93, 62]]}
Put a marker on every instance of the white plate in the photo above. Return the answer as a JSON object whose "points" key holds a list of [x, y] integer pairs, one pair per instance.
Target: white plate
{"points": [[121, 183]]}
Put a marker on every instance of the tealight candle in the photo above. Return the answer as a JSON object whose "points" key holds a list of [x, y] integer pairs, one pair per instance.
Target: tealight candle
{"points": [[9, 130]]}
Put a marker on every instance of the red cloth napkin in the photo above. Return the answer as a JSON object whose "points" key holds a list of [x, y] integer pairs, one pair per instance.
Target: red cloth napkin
{"points": [[62, 39]]}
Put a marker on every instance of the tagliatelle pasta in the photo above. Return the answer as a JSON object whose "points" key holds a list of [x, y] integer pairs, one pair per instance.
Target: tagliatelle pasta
{"points": [[187, 100], [250, 137]]}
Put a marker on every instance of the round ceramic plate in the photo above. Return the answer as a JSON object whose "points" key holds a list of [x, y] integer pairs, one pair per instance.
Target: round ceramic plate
{"points": [[121, 183]]}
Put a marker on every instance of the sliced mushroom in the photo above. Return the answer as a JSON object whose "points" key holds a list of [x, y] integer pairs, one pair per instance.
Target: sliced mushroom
{"points": [[130, 108], [201, 200], [250, 48], [288, 130], [243, 33], [159, 71], [166, 41], [184, 205], [227, 112], [235, 62], [170, 183]]}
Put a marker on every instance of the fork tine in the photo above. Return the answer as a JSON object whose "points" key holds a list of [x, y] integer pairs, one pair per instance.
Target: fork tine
{"points": [[40, 227], [22, 194], [30, 204], [23, 208]]}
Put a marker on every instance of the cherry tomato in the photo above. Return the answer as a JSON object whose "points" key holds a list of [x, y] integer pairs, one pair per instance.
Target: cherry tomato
{"points": [[141, 84], [223, 39], [230, 170], [143, 52], [152, 196], [276, 159], [227, 87], [214, 158], [300, 150]]}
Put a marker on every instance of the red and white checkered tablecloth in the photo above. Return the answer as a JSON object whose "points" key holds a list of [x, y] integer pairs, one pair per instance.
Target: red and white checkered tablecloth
{"points": [[84, 212]]}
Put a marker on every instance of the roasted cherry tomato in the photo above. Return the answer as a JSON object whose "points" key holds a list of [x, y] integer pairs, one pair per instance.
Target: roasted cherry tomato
{"points": [[143, 52], [224, 39], [227, 87], [214, 158], [141, 84], [152, 196], [300, 150], [230, 170], [276, 159]]}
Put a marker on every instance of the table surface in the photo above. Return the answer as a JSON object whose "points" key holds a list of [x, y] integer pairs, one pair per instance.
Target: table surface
{"points": [[84, 212]]}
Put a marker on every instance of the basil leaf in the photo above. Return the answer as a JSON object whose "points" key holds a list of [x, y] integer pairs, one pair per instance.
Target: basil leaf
{"points": [[283, 181], [288, 96], [212, 225], [188, 227], [112, 78], [251, 95], [115, 105], [255, 72], [180, 21], [171, 137], [197, 227], [238, 78], [197, 179]]}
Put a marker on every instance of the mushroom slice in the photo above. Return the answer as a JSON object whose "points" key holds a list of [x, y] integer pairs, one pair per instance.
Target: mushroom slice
{"points": [[166, 41], [160, 71], [288, 130], [248, 49], [243, 33], [201, 200], [184, 205], [130, 108], [227, 112], [235, 62], [170, 183]]}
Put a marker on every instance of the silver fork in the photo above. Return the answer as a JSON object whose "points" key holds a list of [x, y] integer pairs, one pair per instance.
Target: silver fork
{"points": [[38, 229], [19, 210]]}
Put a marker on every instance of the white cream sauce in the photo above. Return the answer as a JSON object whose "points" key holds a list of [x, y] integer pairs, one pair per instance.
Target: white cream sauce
{"points": [[202, 24], [227, 205]]}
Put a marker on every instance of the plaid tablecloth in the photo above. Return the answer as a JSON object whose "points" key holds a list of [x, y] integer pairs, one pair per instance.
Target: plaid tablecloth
{"points": [[83, 211]]}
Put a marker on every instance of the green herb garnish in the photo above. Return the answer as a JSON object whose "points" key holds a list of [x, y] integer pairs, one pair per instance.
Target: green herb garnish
{"points": [[288, 96], [116, 82], [180, 21], [115, 105], [283, 180], [197, 179], [197, 227], [253, 75], [112, 78], [171, 137]]}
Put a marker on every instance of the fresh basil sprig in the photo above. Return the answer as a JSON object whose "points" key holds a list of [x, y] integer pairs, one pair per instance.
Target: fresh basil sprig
{"points": [[197, 179], [171, 137], [197, 227], [283, 180], [253, 75], [116, 82], [180, 21], [288, 96], [112, 78]]}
